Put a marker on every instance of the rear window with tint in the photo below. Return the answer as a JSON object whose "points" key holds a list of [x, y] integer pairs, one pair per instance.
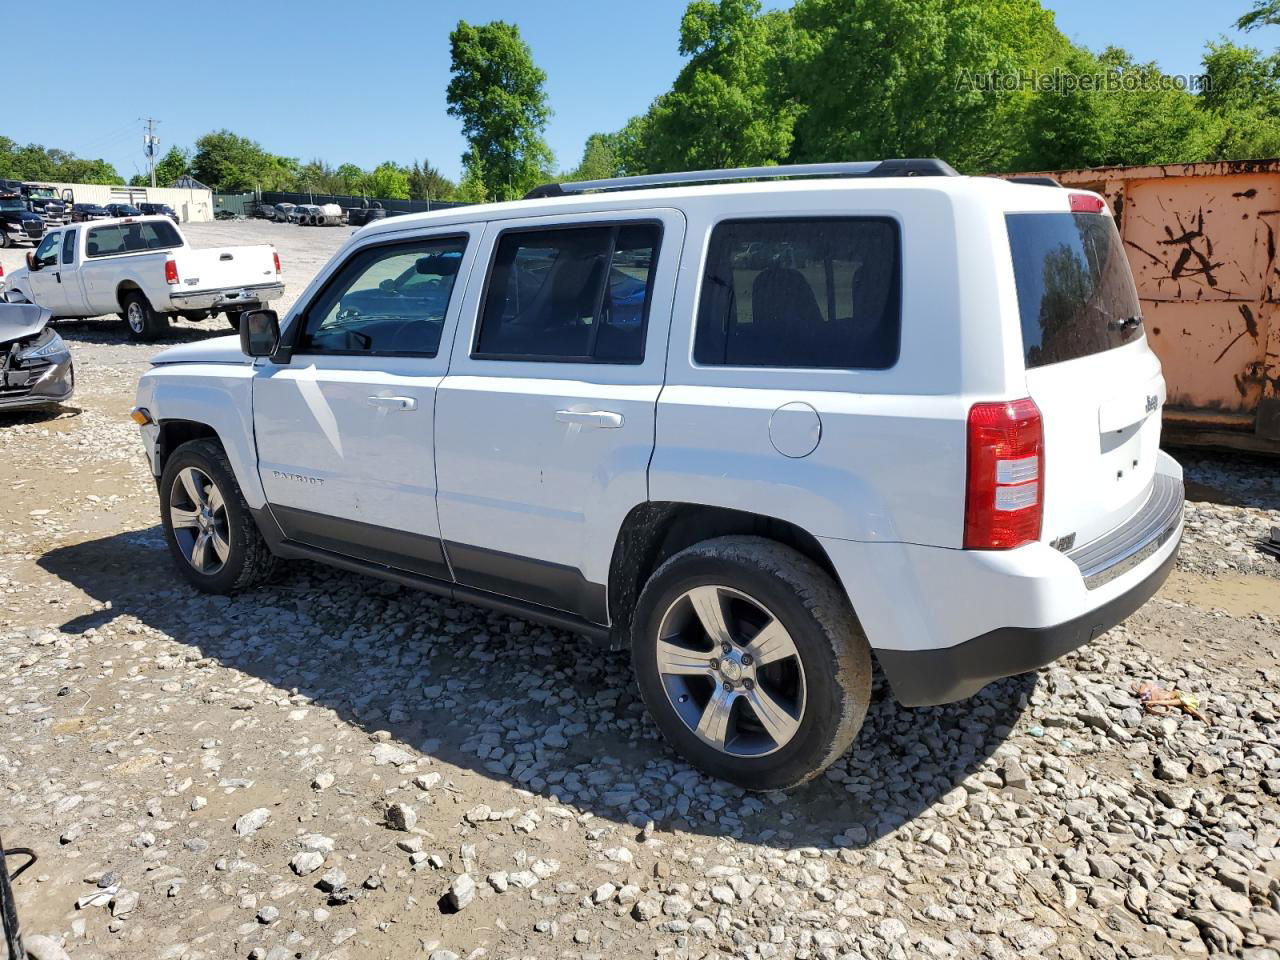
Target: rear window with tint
{"points": [[1075, 291], [131, 238], [817, 292]]}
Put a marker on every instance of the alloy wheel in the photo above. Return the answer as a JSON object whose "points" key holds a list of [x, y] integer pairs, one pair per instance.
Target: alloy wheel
{"points": [[135, 317], [198, 515], [731, 671]]}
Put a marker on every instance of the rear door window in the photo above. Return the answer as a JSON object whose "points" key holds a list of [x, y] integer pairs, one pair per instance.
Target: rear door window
{"points": [[1075, 292], [570, 294], [816, 292]]}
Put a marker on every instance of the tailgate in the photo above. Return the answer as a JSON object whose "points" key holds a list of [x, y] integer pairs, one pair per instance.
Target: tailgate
{"points": [[223, 268], [1089, 370]]}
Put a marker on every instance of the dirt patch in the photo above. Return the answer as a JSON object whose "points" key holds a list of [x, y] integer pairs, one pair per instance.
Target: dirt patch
{"points": [[1238, 594]]}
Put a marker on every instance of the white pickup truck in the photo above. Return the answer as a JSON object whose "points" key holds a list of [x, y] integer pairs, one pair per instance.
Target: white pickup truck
{"points": [[143, 269]]}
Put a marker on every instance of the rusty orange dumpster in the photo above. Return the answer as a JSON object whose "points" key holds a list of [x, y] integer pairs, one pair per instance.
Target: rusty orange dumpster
{"points": [[1201, 240]]}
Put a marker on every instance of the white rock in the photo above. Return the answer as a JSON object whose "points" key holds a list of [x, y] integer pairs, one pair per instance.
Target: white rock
{"points": [[253, 821]]}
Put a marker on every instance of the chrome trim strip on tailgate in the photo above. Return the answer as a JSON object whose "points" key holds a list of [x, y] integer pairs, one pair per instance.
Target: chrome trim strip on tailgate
{"points": [[1137, 538]]}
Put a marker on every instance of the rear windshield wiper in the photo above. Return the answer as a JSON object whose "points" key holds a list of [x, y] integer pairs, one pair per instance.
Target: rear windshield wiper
{"points": [[1125, 323]]}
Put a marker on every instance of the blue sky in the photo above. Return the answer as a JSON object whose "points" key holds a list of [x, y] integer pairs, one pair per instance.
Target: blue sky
{"points": [[308, 79]]}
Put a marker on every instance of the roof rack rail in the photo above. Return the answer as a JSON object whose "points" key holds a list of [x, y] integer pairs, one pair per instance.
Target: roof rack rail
{"points": [[927, 167]]}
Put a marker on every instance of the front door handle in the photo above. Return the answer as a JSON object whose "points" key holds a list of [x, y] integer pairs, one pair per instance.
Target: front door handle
{"points": [[604, 419], [393, 403]]}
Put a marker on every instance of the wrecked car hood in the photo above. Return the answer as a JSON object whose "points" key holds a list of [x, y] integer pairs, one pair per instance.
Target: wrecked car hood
{"points": [[21, 320]]}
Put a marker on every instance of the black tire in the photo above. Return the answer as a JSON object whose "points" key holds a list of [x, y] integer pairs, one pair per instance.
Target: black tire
{"points": [[4, 239], [141, 322], [249, 561], [831, 659]]}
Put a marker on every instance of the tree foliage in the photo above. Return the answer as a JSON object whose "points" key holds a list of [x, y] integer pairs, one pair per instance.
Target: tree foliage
{"points": [[36, 162], [726, 107], [169, 168], [1265, 13], [497, 92], [990, 85], [230, 163], [428, 183], [600, 159]]}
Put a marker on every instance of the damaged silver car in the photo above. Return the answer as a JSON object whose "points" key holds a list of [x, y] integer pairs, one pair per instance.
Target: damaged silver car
{"points": [[35, 362]]}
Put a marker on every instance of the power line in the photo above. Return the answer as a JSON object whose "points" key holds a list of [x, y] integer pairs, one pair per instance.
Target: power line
{"points": [[149, 141]]}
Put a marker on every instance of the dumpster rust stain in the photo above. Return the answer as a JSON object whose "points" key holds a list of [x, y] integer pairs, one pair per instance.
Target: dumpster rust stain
{"points": [[1187, 240], [1250, 327]]}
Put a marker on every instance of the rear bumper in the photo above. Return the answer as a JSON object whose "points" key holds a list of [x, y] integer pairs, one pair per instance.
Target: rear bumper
{"points": [[239, 297], [945, 622], [922, 677]]}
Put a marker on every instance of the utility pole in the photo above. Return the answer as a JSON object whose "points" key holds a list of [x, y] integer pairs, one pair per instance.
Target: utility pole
{"points": [[149, 141]]}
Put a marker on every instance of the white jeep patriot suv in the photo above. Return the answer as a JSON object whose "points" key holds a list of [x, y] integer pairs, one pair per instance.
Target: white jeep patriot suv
{"points": [[755, 424]]}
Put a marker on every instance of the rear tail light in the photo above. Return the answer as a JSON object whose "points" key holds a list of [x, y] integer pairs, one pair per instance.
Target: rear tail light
{"points": [[1085, 203], [276, 257], [1005, 494], [170, 271], [1, 269]]}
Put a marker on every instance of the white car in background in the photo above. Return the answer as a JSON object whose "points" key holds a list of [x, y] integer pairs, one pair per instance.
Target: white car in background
{"points": [[143, 269], [757, 432]]}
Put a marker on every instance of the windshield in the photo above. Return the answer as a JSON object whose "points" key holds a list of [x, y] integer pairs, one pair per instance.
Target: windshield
{"points": [[12, 203], [1075, 291], [124, 210], [42, 193]]}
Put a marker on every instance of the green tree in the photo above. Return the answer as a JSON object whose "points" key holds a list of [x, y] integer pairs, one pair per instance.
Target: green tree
{"points": [[35, 162], [428, 183], [599, 159], [169, 168], [497, 92], [350, 179], [472, 188], [631, 144], [726, 107], [1242, 99], [1138, 116], [230, 163], [885, 78], [1148, 120], [1264, 13], [389, 181]]}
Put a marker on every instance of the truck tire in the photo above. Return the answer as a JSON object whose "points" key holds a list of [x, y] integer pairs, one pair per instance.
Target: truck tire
{"points": [[212, 537], [4, 239], [141, 322], [751, 661]]}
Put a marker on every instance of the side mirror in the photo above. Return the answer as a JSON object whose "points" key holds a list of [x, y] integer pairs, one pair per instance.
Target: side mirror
{"points": [[259, 332], [32, 263], [387, 286]]}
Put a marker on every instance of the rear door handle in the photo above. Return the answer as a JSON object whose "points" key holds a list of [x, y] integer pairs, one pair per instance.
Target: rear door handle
{"points": [[393, 403], [604, 419]]}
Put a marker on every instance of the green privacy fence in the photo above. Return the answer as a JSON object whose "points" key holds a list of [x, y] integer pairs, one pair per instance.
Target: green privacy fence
{"points": [[240, 204]]}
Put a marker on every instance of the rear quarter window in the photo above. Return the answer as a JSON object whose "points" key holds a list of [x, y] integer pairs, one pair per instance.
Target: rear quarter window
{"points": [[809, 293], [131, 238], [1075, 291]]}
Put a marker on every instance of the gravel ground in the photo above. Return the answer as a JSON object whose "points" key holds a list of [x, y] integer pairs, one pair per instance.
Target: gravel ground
{"points": [[337, 767]]}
